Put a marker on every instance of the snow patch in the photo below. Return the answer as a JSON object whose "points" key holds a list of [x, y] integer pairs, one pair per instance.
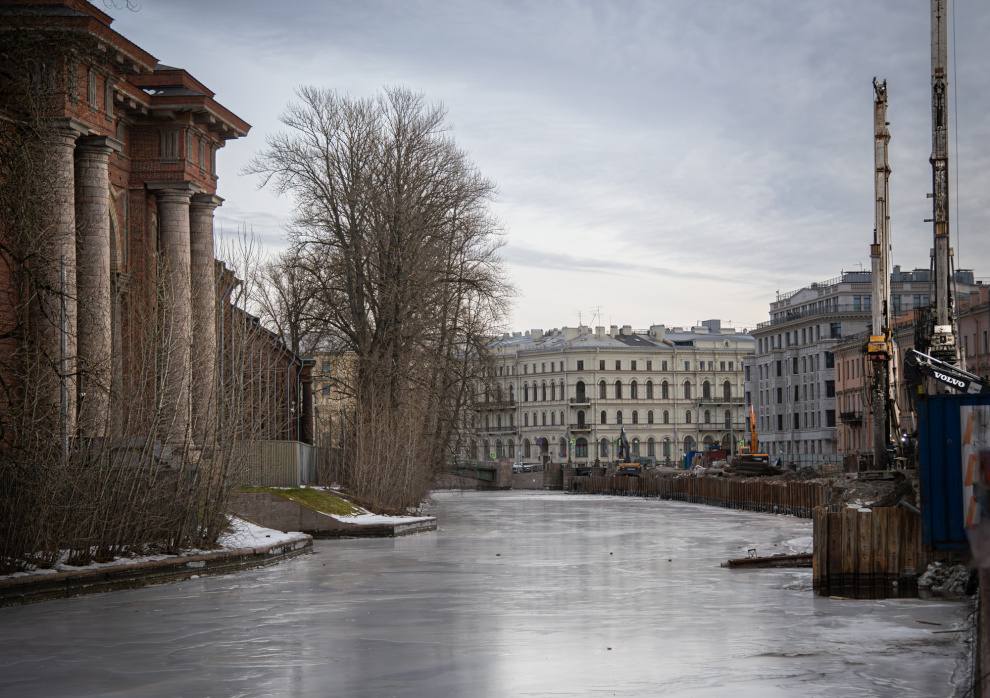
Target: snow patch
{"points": [[369, 519], [244, 534]]}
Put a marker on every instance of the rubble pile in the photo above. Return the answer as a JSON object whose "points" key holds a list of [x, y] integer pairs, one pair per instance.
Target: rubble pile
{"points": [[945, 581]]}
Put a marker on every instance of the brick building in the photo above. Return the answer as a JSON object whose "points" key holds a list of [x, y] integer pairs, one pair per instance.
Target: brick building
{"points": [[132, 242]]}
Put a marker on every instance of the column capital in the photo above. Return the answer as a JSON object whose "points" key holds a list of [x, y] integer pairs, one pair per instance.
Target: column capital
{"points": [[210, 201], [179, 192], [98, 145]]}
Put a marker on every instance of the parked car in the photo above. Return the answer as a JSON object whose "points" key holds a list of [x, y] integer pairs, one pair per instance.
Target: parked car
{"points": [[519, 467]]}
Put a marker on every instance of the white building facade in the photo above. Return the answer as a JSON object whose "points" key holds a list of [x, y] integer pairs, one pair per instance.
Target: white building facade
{"points": [[564, 395]]}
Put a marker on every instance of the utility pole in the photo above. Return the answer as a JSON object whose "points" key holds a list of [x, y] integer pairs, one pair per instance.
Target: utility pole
{"points": [[943, 344], [880, 349]]}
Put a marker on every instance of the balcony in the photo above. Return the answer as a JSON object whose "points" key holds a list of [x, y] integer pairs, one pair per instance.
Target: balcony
{"points": [[496, 405], [732, 401], [581, 401], [579, 428], [499, 430], [852, 418], [792, 314]]}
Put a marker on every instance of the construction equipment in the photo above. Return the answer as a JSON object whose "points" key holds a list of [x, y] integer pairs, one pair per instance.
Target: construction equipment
{"points": [[750, 461], [947, 375], [942, 342], [880, 349]]}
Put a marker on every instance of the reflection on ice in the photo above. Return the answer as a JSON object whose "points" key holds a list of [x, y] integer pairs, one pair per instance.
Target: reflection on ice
{"points": [[526, 594]]}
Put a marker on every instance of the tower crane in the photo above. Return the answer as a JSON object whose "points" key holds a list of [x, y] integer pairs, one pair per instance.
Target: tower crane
{"points": [[880, 348]]}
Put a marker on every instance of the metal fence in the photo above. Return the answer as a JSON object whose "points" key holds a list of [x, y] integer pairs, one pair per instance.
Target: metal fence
{"points": [[279, 463]]}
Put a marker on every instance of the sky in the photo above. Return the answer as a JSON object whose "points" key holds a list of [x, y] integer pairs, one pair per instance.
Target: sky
{"points": [[657, 162]]}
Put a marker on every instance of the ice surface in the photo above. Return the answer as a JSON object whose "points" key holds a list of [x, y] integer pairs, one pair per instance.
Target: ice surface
{"points": [[517, 594]]}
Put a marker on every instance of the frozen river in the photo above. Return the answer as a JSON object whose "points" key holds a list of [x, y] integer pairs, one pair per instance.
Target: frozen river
{"points": [[516, 595]]}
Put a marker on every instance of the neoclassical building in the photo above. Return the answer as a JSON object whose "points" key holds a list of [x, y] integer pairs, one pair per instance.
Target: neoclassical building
{"points": [[564, 395], [130, 239]]}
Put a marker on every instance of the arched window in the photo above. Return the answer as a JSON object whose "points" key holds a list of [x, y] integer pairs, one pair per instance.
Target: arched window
{"points": [[487, 421], [604, 419], [666, 448], [618, 417], [544, 418], [634, 390], [486, 447], [687, 390], [499, 449], [553, 419], [553, 391], [728, 419], [706, 390], [512, 394], [474, 450], [665, 391], [651, 448], [581, 448], [562, 417], [601, 390], [525, 392], [727, 443], [666, 417], [579, 391], [544, 391], [689, 444], [649, 390], [562, 393], [649, 417], [708, 441], [635, 417], [635, 448], [512, 449], [488, 397], [563, 447], [544, 445], [708, 416], [618, 390], [580, 418], [687, 417], [527, 449], [726, 391], [525, 419], [603, 448]]}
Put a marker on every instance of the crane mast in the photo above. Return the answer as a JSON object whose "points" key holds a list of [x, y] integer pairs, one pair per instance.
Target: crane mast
{"points": [[943, 344], [880, 348]]}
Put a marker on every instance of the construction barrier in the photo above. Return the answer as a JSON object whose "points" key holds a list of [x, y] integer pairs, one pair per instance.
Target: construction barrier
{"points": [[793, 497], [869, 553]]}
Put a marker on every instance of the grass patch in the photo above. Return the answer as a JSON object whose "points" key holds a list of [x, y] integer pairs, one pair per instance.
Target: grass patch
{"points": [[320, 500]]}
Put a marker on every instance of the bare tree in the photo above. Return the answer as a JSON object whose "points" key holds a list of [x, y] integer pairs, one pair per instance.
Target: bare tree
{"points": [[282, 293], [393, 232]]}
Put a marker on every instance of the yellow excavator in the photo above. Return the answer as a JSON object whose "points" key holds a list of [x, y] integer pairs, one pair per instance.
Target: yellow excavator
{"points": [[749, 460]]}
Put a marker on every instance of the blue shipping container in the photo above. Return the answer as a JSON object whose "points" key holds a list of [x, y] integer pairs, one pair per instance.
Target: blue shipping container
{"points": [[940, 474]]}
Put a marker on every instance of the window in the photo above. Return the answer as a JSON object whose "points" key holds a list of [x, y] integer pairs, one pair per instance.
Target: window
{"points": [[651, 448], [797, 420], [512, 449], [563, 447], [525, 392], [202, 155], [635, 417], [553, 391], [543, 387], [108, 97], [649, 417], [604, 419], [830, 418], [835, 330], [649, 365], [634, 390], [601, 365], [581, 448], [780, 396], [794, 368], [580, 365], [525, 419], [779, 369], [708, 416], [829, 388], [543, 416], [687, 390], [730, 366], [618, 390], [728, 419], [91, 89], [603, 448], [780, 422], [687, 365], [169, 144], [601, 390], [618, 365], [797, 393], [829, 360], [726, 390], [525, 369], [635, 448], [706, 390], [553, 419], [687, 416], [664, 391], [634, 365], [527, 449], [666, 417], [618, 417], [663, 365], [649, 390]]}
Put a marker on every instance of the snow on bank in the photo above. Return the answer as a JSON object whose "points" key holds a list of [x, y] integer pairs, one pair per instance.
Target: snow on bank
{"points": [[243, 534], [370, 519]]}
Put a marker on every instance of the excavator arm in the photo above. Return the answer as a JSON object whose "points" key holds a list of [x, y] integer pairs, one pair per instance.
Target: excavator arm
{"points": [[946, 374]]}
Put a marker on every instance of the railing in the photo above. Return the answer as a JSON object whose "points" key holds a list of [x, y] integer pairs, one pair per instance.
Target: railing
{"points": [[811, 311], [495, 404], [500, 430], [579, 428], [851, 417], [581, 400], [721, 401]]}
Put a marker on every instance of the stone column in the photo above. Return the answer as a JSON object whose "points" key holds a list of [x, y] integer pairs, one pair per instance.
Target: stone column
{"points": [[175, 295], [204, 317], [94, 336], [53, 308]]}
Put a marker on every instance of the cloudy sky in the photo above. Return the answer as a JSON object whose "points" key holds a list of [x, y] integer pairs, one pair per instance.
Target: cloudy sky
{"points": [[657, 162]]}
